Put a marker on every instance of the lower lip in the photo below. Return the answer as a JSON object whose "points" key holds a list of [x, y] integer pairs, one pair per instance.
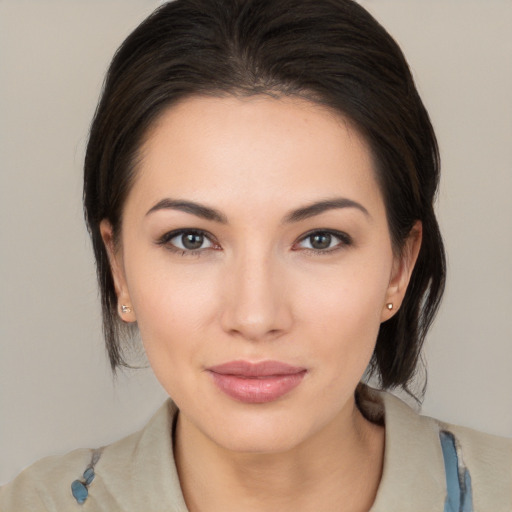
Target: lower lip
{"points": [[254, 390]]}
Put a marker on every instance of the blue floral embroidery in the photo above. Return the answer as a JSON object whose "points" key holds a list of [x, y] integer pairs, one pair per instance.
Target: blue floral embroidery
{"points": [[458, 479], [79, 491], [80, 488]]}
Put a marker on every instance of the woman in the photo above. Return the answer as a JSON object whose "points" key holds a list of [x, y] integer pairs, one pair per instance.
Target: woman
{"points": [[259, 183]]}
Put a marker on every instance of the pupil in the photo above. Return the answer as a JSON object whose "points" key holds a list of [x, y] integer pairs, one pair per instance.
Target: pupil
{"points": [[321, 241], [192, 240]]}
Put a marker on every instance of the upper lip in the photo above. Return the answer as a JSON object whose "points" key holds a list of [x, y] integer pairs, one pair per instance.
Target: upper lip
{"points": [[261, 369]]}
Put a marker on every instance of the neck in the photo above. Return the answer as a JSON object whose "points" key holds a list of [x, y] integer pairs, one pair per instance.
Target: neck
{"points": [[338, 468]]}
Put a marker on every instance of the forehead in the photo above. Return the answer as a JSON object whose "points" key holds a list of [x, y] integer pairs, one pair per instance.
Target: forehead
{"points": [[260, 149]]}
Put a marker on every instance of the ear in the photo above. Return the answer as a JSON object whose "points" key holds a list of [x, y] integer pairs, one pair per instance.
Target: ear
{"points": [[124, 303], [401, 273]]}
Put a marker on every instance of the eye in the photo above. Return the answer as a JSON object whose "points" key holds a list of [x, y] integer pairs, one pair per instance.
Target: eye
{"points": [[187, 241], [324, 241]]}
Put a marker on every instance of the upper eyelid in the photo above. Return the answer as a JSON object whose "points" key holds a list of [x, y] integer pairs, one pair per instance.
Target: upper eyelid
{"points": [[334, 232], [323, 230], [169, 235]]}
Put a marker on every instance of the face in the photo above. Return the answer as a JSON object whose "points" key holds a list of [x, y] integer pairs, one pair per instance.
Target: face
{"points": [[256, 257]]}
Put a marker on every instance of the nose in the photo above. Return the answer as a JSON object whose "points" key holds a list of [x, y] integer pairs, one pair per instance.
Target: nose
{"points": [[256, 304]]}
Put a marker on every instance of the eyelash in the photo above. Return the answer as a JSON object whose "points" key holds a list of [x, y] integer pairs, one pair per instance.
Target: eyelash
{"points": [[166, 239], [345, 240]]}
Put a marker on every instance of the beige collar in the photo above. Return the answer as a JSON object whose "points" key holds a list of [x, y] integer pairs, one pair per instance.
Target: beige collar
{"points": [[413, 472], [413, 477]]}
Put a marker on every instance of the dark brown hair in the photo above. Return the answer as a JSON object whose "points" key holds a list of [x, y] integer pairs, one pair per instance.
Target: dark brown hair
{"points": [[331, 52]]}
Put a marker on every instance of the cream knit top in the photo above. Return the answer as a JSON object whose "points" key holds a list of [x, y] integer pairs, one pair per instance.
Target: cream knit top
{"points": [[138, 473]]}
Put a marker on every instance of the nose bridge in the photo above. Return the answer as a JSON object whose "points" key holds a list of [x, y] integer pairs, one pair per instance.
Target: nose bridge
{"points": [[255, 306]]}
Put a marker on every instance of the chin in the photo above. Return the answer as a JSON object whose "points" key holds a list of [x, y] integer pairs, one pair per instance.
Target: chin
{"points": [[260, 431], [260, 443]]}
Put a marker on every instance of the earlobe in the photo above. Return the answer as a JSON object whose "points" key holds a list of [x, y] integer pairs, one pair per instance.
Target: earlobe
{"points": [[125, 309], [402, 271]]}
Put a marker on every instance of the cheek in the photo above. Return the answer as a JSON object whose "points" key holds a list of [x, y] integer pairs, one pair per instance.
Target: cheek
{"points": [[342, 308], [173, 303], [173, 310]]}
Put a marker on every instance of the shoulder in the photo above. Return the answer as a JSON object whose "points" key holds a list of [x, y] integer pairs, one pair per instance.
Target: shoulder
{"points": [[421, 449], [478, 447], [482, 448], [488, 461], [121, 476], [40, 486]]}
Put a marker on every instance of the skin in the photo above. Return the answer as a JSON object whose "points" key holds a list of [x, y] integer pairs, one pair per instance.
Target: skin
{"points": [[260, 289]]}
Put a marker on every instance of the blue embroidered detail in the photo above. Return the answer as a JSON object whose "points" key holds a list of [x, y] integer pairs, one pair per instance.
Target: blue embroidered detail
{"points": [[458, 479], [89, 476], [79, 489]]}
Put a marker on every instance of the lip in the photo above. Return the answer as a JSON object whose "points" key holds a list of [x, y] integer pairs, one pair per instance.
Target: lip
{"points": [[261, 382]]}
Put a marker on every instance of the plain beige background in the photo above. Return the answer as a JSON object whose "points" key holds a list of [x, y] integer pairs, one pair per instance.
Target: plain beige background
{"points": [[56, 391]]}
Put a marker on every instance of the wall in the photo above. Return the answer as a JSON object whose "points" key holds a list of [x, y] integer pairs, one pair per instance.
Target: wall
{"points": [[56, 391]]}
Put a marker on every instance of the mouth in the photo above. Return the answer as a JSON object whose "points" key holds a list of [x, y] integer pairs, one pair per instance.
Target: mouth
{"points": [[255, 383]]}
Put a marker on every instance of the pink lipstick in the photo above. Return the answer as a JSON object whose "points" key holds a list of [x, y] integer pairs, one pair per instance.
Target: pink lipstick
{"points": [[256, 383]]}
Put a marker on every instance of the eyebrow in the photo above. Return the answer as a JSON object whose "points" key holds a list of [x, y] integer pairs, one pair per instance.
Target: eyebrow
{"points": [[199, 210], [322, 206], [208, 213]]}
